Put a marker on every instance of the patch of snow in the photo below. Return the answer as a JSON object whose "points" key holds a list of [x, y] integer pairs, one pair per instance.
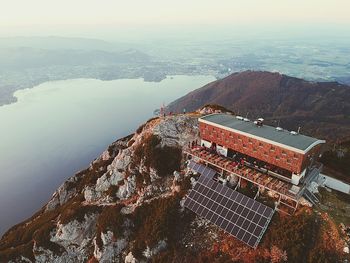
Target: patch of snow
{"points": [[75, 232], [102, 183], [91, 195], [148, 252], [182, 202], [116, 177], [153, 174], [111, 249], [105, 156], [128, 188], [176, 175], [121, 161], [130, 258], [193, 181], [61, 195]]}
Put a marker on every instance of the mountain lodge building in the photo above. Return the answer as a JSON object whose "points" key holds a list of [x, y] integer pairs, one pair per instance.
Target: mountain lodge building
{"points": [[287, 155], [271, 158]]}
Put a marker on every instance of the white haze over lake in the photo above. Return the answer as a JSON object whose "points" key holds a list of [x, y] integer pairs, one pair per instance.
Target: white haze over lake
{"points": [[58, 128]]}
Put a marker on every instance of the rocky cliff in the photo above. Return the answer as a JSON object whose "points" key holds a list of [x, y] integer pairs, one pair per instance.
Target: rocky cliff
{"points": [[95, 214], [127, 207]]}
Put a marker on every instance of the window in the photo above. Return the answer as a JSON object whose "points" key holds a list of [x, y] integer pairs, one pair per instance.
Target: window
{"points": [[250, 141], [284, 153], [277, 157], [288, 161], [295, 156], [254, 150], [244, 146], [261, 145], [272, 149]]}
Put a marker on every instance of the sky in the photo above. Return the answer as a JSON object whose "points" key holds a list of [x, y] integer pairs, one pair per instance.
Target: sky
{"points": [[18, 16]]}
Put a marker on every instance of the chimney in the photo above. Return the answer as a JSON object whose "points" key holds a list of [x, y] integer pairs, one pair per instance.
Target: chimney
{"points": [[259, 122]]}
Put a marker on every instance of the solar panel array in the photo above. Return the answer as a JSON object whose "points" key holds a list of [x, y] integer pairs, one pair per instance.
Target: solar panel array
{"points": [[202, 169], [235, 213]]}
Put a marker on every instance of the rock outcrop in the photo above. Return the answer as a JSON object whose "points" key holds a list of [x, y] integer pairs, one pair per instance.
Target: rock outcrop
{"points": [[73, 228]]}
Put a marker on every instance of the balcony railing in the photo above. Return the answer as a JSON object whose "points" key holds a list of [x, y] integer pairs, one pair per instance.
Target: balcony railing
{"points": [[250, 174]]}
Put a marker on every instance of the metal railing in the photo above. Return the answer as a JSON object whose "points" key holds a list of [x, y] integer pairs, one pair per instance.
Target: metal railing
{"points": [[247, 173]]}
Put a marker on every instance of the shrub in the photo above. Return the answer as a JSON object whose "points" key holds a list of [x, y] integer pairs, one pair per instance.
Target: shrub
{"points": [[111, 219], [161, 219], [340, 164], [25, 250], [154, 222], [296, 234], [140, 128], [111, 192], [77, 211], [185, 256], [42, 237], [185, 185], [19, 241], [164, 159], [142, 178], [24, 233], [88, 177]]}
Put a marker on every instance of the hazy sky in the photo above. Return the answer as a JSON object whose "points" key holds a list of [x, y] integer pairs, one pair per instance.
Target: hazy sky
{"points": [[24, 12], [18, 16]]}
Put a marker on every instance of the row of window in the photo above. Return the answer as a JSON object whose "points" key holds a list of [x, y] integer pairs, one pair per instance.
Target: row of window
{"points": [[260, 145]]}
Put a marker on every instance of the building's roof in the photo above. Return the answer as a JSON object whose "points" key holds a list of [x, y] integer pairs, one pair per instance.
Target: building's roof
{"points": [[283, 138]]}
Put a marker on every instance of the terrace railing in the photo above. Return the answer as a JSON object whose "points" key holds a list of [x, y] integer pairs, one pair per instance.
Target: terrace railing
{"points": [[245, 172]]}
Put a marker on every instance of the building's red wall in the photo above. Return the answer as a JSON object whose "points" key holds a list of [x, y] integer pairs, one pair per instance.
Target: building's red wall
{"points": [[278, 156], [313, 154]]}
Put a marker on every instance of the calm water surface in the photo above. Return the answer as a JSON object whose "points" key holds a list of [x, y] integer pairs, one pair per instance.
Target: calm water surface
{"points": [[57, 128]]}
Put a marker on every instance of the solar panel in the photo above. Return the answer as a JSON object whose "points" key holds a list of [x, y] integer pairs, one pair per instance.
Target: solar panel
{"points": [[202, 169], [235, 213]]}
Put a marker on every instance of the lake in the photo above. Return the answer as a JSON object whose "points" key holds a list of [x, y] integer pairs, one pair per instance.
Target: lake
{"points": [[57, 128]]}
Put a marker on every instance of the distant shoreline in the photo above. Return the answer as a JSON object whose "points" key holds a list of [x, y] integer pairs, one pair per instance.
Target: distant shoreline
{"points": [[10, 98]]}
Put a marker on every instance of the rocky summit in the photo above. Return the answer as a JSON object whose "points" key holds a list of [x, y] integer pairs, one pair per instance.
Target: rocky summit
{"points": [[127, 206]]}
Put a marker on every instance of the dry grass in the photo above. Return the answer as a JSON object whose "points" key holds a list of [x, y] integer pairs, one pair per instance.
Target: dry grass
{"points": [[336, 204]]}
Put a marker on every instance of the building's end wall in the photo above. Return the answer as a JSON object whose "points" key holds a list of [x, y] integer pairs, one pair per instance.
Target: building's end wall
{"points": [[312, 156]]}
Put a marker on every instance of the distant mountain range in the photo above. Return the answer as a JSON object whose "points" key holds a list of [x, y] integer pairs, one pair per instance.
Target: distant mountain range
{"points": [[57, 42], [22, 58], [319, 108]]}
